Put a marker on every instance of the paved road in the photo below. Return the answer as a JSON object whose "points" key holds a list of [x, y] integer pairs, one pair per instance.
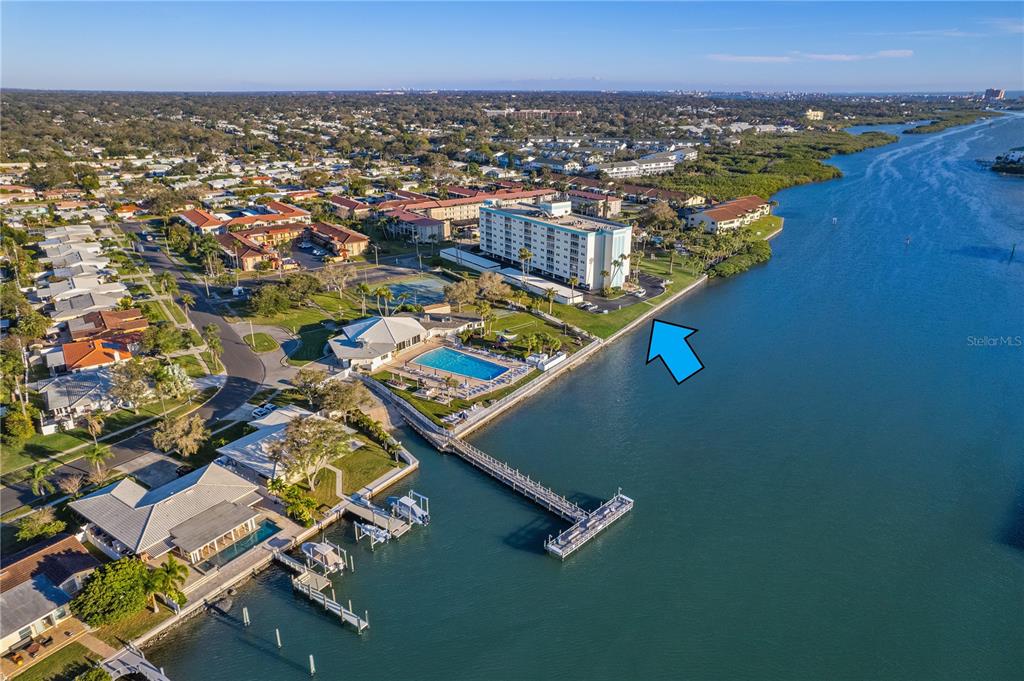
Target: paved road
{"points": [[244, 369]]}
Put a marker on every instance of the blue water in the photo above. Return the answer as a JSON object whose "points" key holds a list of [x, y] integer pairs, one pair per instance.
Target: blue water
{"points": [[421, 290], [838, 495], [266, 529], [460, 363]]}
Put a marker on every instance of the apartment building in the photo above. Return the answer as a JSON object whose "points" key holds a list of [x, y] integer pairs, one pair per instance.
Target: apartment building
{"points": [[594, 204], [638, 168], [729, 215], [563, 245]]}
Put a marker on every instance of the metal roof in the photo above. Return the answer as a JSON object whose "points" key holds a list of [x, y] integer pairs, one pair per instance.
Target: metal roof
{"points": [[211, 524]]}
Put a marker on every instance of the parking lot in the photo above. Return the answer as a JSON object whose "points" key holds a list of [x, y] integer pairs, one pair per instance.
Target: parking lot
{"points": [[651, 285]]}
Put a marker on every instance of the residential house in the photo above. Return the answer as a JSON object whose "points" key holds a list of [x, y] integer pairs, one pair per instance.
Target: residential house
{"points": [[87, 355], [193, 516], [125, 326], [69, 397], [201, 221], [78, 285], [255, 450], [244, 253], [81, 305], [36, 588]]}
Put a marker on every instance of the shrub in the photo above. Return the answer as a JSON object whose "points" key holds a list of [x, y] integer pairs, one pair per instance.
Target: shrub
{"points": [[111, 593]]}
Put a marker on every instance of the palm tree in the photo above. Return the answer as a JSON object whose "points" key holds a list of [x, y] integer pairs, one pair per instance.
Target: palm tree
{"points": [[38, 477], [211, 336], [94, 424], [96, 456], [388, 295], [187, 300], [363, 291], [166, 579], [524, 258], [574, 281], [550, 295]]}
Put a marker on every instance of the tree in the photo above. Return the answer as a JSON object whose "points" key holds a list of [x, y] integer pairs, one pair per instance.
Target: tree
{"points": [[162, 338], [184, 434], [167, 579], [187, 300], [524, 260], [314, 179], [337, 277], [171, 380], [299, 505], [39, 477], [492, 287], [94, 424], [128, 383], [659, 216], [211, 336], [270, 300], [387, 295], [166, 282], [574, 281], [112, 592], [308, 381], [309, 444], [39, 524], [550, 294], [97, 456], [483, 308], [363, 291], [461, 293], [344, 398], [71, 485], [18, 427]]}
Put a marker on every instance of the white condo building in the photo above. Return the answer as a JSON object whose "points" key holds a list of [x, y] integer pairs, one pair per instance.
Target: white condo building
{"points": [[563, 244]]}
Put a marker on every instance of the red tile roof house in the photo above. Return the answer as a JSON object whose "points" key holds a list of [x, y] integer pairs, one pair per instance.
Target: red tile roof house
{"points": [[87, 355], [127, 210], [198, 220], [345, 207], [277, 212], [341, 241], [273, 234], [244, 253], [124, 326]]}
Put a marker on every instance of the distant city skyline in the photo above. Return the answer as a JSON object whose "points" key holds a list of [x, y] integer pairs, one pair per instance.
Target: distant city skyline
{"points": [[766, 47]]}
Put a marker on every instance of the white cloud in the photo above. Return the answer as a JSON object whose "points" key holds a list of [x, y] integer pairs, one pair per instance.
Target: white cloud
{"points": [[809, 56], [751, 58], [927, 33], [1006, 24]]}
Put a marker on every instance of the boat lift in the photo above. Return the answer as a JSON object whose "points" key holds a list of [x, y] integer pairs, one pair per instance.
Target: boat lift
{"points": [[376, 535], [413, 507], [327, 555]]}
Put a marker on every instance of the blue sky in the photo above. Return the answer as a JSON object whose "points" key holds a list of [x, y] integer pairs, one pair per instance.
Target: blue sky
{"points": [[919, 46]]}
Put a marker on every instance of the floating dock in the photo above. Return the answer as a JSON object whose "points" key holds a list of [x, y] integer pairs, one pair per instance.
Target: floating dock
{"points": [[585, 524]]}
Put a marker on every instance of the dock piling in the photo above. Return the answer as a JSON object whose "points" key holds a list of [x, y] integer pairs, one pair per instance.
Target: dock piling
{"points": [[312, 666], [245, 616], [277, 635]]}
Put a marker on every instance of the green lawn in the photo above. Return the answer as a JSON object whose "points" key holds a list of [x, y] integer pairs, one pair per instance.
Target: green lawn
{"points": [[176, 311], [522, 324], [314, 338], [119, 633], [212, 362], [261, 342], [38, 447], [63, 665], [154, 313], [365, 465], [762, 228], [191, 365]]}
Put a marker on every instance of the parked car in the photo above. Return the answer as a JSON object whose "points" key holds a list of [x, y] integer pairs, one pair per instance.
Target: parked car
{"points": [[269, 407], [305, 244], [259, 412], [184, 470]]}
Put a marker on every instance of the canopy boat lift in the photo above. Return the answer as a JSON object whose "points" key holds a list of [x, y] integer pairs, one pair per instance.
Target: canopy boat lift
{"points": [[413, 507]]}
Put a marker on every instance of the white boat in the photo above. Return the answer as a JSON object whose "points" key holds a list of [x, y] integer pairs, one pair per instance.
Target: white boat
{"points": [[324, 555]]}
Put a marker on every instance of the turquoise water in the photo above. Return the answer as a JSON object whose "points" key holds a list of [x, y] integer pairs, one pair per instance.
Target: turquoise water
{"points": [[460, 363], [265, 530], [838, 495]]}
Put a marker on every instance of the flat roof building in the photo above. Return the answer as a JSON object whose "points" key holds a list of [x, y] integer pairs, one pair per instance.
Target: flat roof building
{"points": [[564, 245]]}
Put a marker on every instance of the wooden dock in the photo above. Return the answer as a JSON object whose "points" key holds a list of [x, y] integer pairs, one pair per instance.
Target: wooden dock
{"points": [[585, 524], [312, 585]]}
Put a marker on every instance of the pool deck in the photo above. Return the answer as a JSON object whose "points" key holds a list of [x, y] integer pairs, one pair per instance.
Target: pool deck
{"points": [[405, 366]]}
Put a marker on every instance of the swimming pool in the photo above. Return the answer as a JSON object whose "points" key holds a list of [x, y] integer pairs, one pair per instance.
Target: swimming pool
{"points": [[460, 363], [266, 529]]}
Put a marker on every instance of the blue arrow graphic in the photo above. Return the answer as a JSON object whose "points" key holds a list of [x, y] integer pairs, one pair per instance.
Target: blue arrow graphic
{"points": [[668, 342]]}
